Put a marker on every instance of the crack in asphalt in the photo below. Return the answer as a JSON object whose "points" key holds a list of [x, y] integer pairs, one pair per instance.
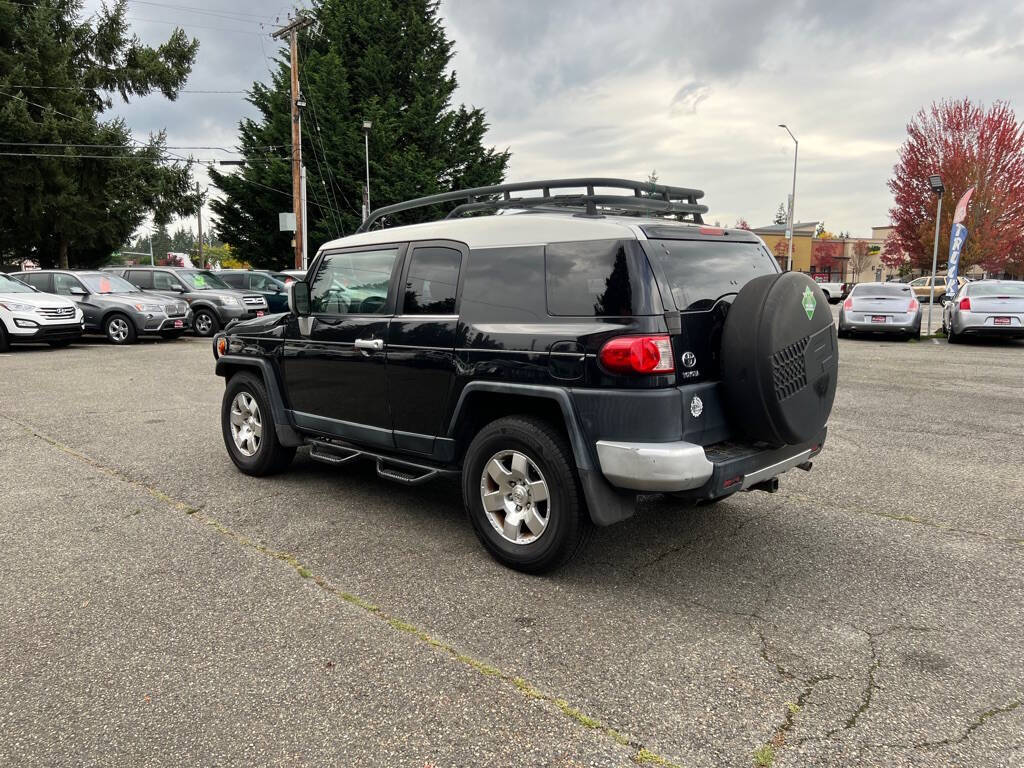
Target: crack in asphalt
{"points": [[971, 727], [641, 754]]}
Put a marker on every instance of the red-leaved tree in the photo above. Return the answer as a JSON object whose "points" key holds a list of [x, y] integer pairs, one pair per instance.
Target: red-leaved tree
{"points": [[825, 254], [968, 146]]}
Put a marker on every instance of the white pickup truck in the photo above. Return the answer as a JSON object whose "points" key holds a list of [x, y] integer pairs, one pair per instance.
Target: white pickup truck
{"points": [[834, 292]]}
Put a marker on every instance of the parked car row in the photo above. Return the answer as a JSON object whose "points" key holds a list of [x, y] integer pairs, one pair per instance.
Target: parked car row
{"points": [[123, 303], [979, 308]]}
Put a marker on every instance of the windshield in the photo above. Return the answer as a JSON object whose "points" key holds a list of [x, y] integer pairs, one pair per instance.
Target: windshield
{"points": [[202, 280], [107, 284], [891, 290], [700, 272], [997, 289], [10, 285]]}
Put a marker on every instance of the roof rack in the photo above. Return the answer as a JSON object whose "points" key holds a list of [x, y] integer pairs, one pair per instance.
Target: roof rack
{"points": [[645, 198]]}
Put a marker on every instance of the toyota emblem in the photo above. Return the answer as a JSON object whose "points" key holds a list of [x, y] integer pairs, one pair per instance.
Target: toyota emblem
{"points": [[689, 359]]}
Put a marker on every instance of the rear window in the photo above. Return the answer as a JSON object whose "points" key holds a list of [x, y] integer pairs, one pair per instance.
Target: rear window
{"points": [[997, 289], [700, 272], [891, 291], [592, 279]]}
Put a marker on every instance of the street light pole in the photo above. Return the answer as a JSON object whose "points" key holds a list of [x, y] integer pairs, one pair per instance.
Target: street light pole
{"points": [[367, 125], [935, 182], [792, 199]]}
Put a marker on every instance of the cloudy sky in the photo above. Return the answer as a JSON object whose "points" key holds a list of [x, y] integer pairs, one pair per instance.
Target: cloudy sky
{"points": [[693, 90]]}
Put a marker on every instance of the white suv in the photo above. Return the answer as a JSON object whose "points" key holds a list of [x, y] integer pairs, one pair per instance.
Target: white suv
{"points": [[26, 315]]}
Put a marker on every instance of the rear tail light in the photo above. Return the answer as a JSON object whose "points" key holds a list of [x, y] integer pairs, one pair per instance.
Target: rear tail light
{"points": [[848, 304], [965, 304], [913, 306], [712, 231], [638, 354]]}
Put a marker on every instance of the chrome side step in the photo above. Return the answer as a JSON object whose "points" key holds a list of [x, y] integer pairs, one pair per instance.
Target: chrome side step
{"points": [[405, 473]]}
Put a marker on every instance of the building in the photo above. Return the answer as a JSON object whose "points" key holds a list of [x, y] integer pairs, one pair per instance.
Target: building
{"points": [[774, 237]]}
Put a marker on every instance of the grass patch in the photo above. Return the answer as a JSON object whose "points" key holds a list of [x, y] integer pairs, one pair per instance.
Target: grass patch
{"points": [[764, 755], [304, 572]]}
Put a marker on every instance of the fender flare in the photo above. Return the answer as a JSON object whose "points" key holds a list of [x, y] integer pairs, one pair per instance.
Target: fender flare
{"points": [[605, 504], [283, 425]]}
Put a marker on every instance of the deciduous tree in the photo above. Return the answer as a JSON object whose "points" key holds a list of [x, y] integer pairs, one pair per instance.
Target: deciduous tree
{"points": [[968, 145], [860, 258]]}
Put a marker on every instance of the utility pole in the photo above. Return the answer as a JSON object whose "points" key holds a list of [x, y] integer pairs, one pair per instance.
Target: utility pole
{"points": [[202, 263], [291, 30], [792, 200]]}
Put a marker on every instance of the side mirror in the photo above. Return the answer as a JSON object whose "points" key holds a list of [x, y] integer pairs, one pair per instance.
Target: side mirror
{"points": [[78, 292], [298, 298]]}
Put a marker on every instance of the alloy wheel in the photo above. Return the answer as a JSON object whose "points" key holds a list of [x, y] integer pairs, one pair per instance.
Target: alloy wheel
{"points": [[246, 424], [515, 497], [117, 330]]}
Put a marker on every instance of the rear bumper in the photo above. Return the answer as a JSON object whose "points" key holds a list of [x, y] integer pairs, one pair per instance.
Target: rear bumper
{"points": [[893, 324], [707, 472], [973, 322]]}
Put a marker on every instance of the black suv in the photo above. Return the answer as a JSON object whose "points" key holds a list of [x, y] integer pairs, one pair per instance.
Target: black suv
{"points": [[562, 357]]}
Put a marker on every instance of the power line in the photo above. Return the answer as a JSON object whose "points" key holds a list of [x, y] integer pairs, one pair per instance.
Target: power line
{"points": [[121, 146], [238, 16], [101, 88]]}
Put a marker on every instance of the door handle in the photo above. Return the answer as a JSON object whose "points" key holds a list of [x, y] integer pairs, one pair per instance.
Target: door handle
{"points": [[372, 345]]}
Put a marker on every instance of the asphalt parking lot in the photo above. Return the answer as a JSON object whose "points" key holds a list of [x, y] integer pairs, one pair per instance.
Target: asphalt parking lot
{"points": [[159, 608]]}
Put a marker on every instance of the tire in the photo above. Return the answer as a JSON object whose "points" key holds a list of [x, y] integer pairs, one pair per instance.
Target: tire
{"points": [[528, 450], [268, 456], [119, 329], [171, 335], [780, 359], [952, 337], [205, 323], [5, 345]]}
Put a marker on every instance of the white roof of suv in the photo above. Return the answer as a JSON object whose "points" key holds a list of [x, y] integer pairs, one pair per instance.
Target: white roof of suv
{"points": [[505, 230]]}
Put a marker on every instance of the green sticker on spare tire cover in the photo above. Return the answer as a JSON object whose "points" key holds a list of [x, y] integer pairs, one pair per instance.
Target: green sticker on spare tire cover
{"points": [[809, 302]]}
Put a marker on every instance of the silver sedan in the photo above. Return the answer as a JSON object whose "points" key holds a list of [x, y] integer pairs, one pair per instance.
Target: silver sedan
{"points": [[881, 308], [985, 307]]}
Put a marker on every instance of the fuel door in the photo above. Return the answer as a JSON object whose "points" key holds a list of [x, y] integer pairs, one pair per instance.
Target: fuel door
{"points": [[565, 360]]}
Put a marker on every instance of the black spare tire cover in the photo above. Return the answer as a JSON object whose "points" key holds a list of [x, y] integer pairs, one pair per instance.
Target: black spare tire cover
{"points": [[780, 359]]}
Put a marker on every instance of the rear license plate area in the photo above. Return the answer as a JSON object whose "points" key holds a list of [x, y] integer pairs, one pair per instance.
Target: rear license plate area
{"points": [[1001, 321], [878, 318]]}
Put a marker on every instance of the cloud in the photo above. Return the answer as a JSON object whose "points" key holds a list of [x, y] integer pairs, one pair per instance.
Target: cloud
{"points": [[694, 90]]}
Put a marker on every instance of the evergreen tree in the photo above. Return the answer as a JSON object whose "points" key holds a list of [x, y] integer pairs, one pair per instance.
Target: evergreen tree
{"points": [[780, 215], [57, 74], [385, 61]]}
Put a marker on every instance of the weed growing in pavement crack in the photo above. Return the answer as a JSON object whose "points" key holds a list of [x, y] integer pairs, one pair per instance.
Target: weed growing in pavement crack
{"points": [[764, 755]]}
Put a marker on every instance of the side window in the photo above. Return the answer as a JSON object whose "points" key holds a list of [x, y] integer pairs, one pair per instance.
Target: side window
{"points": [[235, 279], [164, 282], [589, 279], [432, 282], [140, 278], [37, 281], [354, 283], [62, 284], [259, 283]]}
